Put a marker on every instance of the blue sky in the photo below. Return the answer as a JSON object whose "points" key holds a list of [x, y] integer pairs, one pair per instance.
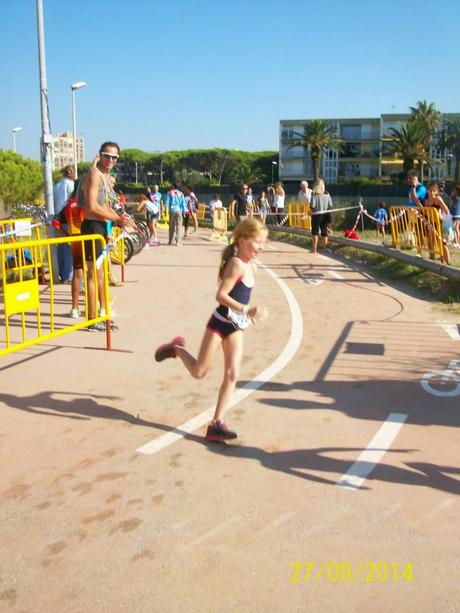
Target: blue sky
{"points": [[177, 74]]}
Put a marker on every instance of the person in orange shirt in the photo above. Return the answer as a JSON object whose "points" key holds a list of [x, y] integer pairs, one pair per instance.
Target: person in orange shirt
{"points": [[73, 216]]}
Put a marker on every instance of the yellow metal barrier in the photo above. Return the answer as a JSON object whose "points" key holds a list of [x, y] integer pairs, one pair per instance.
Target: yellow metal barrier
{"points": [[299, 216], [403, 224], [117, 254], [163, 220], [201, 211], [429, 233], [32, 316], [219, 224], [15, 232], [418, 228]]}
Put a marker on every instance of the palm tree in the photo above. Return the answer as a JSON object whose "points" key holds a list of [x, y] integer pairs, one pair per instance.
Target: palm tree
{"points": [[409, 142], [428, 115], [318, 136], [450, 141]]}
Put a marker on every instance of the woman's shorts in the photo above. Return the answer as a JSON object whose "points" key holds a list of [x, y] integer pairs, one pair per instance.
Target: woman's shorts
{"points": [[92, 226], [151, 216], [221, 328], [319, 222]]}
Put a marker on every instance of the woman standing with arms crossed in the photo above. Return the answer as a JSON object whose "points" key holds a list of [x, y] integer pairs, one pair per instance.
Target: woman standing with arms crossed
{"points": [[226, 325], [321, 204]]}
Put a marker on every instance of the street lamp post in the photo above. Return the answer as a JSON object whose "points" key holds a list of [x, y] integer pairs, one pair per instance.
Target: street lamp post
{"points": [[14, 131], [74, 87], [273, 169]]}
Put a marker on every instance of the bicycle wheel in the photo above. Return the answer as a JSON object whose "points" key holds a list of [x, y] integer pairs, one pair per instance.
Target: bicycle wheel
{"points": [[143, 231], [137, 243], [115, 254]]}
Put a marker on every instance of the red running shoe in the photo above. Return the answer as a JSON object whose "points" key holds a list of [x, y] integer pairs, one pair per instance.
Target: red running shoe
{"points": [[168, 349], [218, 432]]}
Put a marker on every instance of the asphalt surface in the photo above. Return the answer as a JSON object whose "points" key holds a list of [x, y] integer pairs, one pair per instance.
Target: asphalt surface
{"points": [[340, 494]]}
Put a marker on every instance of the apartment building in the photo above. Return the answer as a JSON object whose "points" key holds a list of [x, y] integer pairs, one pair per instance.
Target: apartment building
{"points": [[62, 152], [363, 154]]}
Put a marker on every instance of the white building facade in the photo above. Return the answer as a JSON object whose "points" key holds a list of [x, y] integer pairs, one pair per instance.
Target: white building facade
{"points": [[362, 154], [62, 152]]}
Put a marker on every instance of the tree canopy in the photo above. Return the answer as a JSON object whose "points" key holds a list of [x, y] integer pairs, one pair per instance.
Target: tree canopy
{"points": [[21, 179], [205, 166]]}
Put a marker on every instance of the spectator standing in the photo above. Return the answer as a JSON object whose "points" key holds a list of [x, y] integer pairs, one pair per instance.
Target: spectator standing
{"points": [[152, 206], [417, 191], [71, 217], [279, 201], [176, 206], [455, 211], [435, 201], [96, 196], [305, 193], [382, 219], [321, 204], [250, 202], [238, 206], [62, 192], [263, 206], [192, 206], [215, 202], [271, 198]]}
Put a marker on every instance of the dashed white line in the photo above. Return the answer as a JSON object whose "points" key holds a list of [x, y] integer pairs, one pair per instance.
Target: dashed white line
{"points": [[374, 452], [281, 361], [452, 330], [335, 274]]}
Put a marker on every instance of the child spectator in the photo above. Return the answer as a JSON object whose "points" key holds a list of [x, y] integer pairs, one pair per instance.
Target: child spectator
{"points": [[381, 217]]}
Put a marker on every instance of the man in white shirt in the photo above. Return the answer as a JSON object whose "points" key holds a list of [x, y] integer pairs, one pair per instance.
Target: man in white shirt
{"points": [[62, 191], [304, 195]]}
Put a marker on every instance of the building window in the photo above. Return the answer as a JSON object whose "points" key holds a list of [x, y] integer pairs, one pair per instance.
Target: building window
{"points": [[351, 132]]}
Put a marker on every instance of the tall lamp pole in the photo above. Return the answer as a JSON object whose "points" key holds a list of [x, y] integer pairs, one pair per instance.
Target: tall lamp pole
{"points": [[74, 87], [14, 131], [273, 169], [46, 139]]}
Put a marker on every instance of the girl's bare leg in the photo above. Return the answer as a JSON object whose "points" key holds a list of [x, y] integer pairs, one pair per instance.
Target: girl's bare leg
{"points": [[233, 353], [198, 367]]}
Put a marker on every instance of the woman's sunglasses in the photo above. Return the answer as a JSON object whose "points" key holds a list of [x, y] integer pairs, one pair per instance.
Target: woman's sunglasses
{"points": [[109, 155]]}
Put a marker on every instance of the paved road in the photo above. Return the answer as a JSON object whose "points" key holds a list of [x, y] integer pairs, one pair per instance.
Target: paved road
{"points": [[344, 460]]}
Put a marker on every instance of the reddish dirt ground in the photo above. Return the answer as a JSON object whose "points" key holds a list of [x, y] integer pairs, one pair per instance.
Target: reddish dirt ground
{"points": [[87, 523]]}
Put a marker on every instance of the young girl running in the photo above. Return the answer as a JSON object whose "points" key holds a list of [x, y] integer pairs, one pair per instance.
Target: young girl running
{"points": [[225, 327]]}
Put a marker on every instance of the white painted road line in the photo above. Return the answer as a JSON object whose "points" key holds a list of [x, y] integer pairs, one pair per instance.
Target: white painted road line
{"points": [[335, 274], [452, 330], [374, 452], [281, 361]]}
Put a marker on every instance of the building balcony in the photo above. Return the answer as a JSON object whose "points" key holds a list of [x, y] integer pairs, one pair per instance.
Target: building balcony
{"points": [[373, 138], [288, 155], [370, 157]]}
